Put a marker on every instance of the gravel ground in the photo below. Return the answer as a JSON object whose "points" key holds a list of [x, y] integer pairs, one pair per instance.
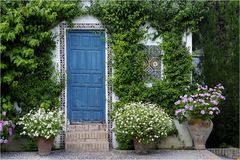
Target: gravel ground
{"points": [[160, 154], [224, 158]]}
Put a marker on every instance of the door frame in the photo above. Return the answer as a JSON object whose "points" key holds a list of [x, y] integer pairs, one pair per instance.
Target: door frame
{"points": [[104, 72], [61, 43]]}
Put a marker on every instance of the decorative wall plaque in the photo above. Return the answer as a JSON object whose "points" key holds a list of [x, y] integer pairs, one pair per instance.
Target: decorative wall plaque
{"points": [[153, 62]]}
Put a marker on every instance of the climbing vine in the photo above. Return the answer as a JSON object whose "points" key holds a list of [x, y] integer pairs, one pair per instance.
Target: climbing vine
{"points": [[124, 21], [27, 44], [26, 47], [27, 71]]}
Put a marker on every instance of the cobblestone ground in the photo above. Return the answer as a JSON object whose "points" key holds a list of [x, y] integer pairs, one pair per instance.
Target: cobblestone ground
{"points": [[115, 155]]}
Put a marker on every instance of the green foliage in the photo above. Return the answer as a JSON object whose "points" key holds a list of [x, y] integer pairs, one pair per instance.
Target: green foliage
{"points": [[27, 72], [219, 39], [176, 54], [123, 143], [6, 103], [37, 90], [124, 17], [124, 21], [175, 16], [30, 144], [27, 44]]}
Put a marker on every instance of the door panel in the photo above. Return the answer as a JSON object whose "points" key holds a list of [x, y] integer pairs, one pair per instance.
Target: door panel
{"points": [[86, 74]]}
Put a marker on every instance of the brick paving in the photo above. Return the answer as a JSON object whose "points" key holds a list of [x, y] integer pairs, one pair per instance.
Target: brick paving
{"points": [[115, 155]]}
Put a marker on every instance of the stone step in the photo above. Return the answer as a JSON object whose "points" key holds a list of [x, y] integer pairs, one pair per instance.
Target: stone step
{"points": [[75, 136], [87, 137], [87, 127], [86, 146]]}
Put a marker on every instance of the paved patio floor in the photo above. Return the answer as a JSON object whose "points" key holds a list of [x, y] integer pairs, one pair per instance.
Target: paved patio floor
{"points": [[115, 155]]}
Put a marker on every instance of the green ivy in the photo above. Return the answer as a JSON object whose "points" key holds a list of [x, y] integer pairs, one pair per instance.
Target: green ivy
{"points": [[27, 71], [27, 43], [124, 21], [177, 60]]}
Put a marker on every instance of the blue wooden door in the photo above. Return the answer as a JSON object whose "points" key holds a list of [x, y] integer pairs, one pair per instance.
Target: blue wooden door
{"points": [[86, 72]]}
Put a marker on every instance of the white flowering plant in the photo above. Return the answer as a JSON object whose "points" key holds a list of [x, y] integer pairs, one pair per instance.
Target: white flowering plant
{"points": [[202, 103], [144, 121], [42, 123]]}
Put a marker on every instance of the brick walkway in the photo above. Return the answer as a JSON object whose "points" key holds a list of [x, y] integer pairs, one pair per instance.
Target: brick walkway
{"points": [[159, 154]]}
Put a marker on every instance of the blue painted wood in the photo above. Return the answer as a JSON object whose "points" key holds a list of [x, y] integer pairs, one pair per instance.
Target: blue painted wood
{"points": [[86, 76]]}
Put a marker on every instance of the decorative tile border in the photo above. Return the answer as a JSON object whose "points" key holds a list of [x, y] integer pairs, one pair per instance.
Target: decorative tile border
{"points": [[109, 90], [92, 26]]}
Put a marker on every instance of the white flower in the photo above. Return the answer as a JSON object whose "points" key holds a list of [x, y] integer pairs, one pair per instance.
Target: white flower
{"points": [[140, 117], [45, 121]]}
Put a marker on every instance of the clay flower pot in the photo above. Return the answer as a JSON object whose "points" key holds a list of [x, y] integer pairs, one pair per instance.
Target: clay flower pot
{"points": [[140, 148], [44, 146], [200, 131]]}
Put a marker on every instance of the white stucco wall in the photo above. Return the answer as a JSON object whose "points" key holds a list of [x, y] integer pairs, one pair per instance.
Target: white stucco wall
{"points": [[183, 137], [56, 61], [150, 32], [187, 38]]}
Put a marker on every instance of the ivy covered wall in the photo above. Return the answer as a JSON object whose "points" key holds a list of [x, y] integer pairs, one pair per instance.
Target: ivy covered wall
{"points": [[28, 76], [123, 20], [26, 44], [27, 70]]}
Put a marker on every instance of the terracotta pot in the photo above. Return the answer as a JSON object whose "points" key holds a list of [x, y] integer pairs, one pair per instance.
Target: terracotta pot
{"points": [[44, 146], [140, 148], [200, 131]]}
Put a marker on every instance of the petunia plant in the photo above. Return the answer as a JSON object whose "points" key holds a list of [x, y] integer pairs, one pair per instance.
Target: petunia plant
{"points": [[202, 104], [145, 122], [42, 123], [6, 128]]}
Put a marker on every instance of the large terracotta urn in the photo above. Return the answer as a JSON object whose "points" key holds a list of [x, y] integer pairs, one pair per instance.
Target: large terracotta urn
{"points": [[44, 146], [200, 130]]}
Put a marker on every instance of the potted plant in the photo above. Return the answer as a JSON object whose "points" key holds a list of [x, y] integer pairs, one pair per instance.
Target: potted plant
{"points": [[144, 123], [44, 125], [198, 109]]}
